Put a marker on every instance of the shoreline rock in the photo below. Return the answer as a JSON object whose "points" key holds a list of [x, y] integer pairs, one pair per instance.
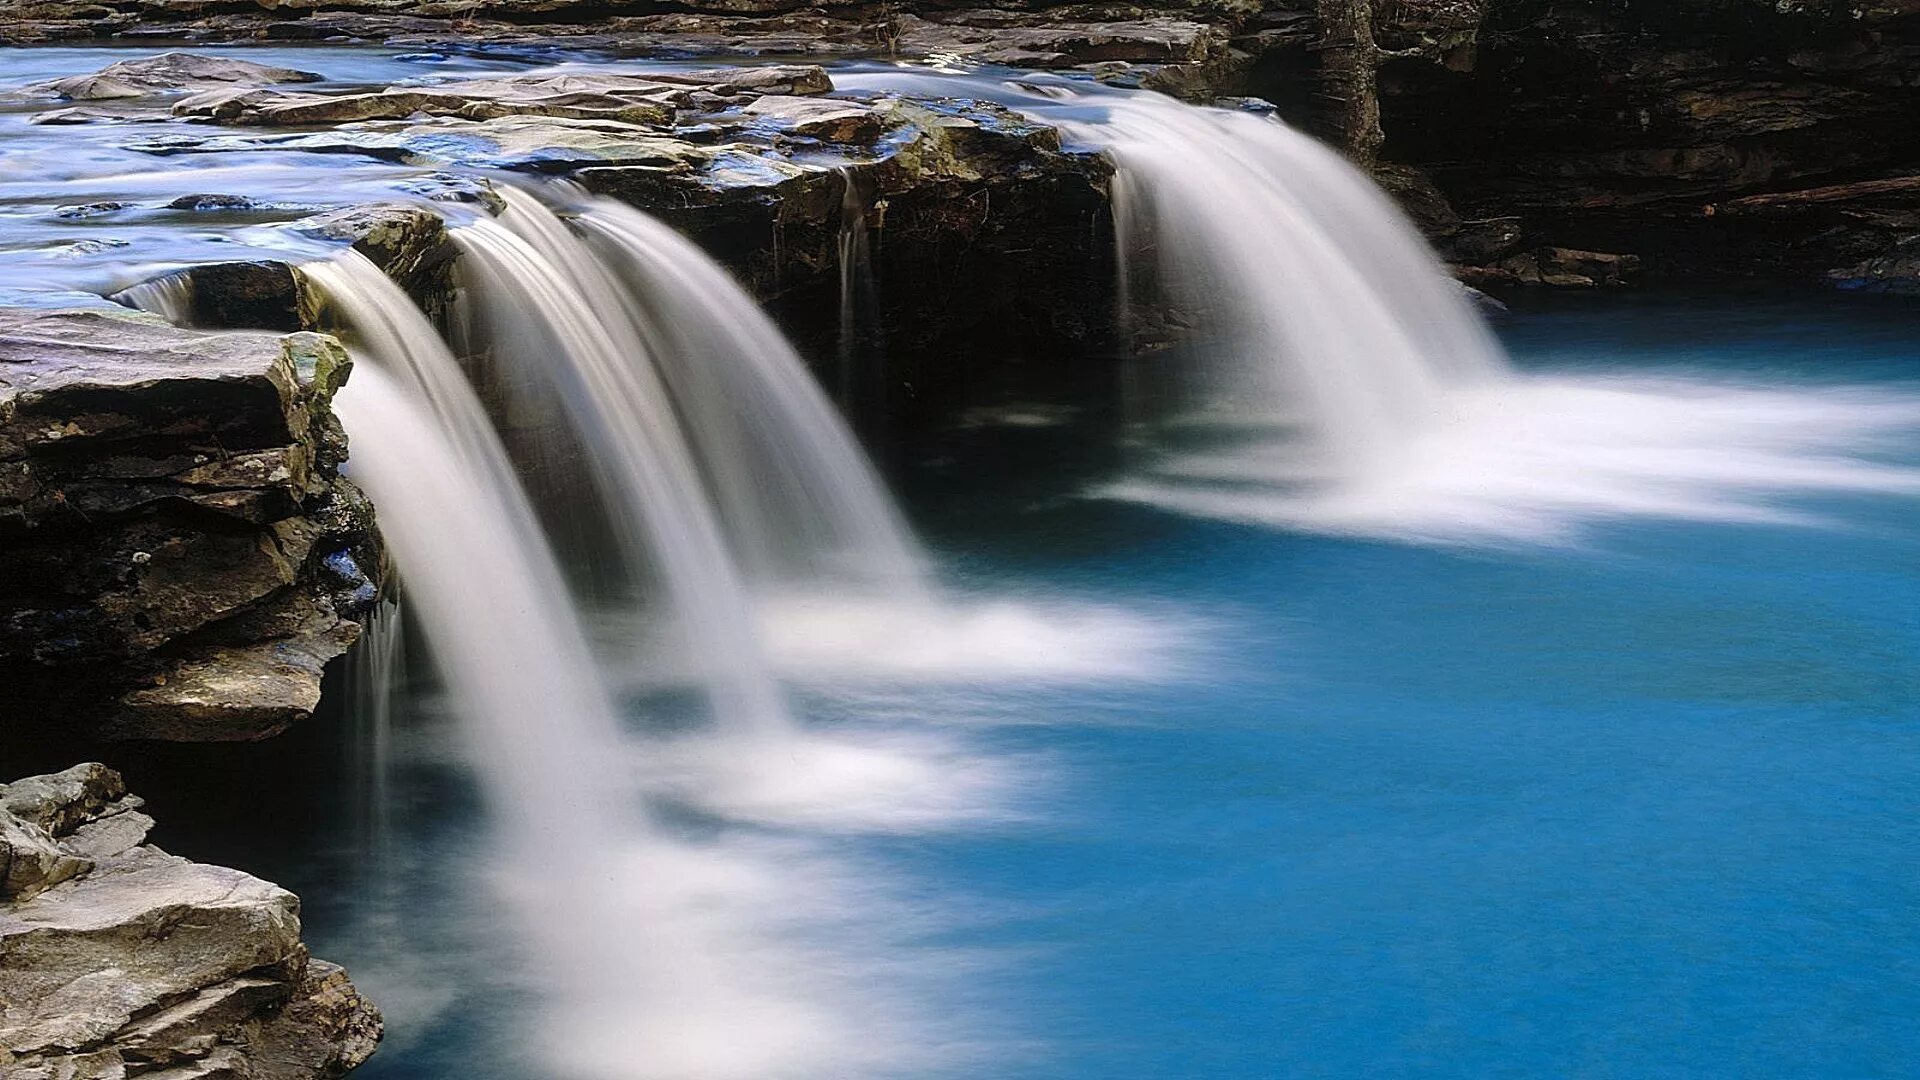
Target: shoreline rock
{"points": [[116, 957]]}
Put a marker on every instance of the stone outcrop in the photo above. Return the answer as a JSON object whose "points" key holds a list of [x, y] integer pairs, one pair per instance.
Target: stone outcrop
{"points": [[118, 959], [182, 557], [1651, 127]]}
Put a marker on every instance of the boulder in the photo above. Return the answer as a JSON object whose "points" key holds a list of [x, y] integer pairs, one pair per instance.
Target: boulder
{"points": [[125, 959], [406, 240], [1566, 268]]}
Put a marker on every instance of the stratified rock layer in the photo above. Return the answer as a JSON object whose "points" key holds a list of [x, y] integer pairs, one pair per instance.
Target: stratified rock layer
{"points": [[182, 558], [118, 959]]}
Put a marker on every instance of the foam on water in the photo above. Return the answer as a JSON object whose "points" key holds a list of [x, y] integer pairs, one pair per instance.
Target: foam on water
{"points": [[1330, 378], [1542, 459]]}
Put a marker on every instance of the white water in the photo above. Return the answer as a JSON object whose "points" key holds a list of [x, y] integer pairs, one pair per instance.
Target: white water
{"points": [[738, 954], [1328, 327], [170, 297], [454, 515], [801, 501], [1334, 379], [549, 305]]}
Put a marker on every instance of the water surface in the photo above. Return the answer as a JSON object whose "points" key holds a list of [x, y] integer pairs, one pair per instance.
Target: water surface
{"points": [[1287, 804]]}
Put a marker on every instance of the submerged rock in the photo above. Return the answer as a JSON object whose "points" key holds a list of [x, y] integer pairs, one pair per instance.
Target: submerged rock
{"points": [[117, 958], [165, 501]]}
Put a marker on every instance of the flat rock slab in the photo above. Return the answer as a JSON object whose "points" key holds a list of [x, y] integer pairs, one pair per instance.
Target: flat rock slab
{"points": [[68, 378], [168, 73], [652, 98]]}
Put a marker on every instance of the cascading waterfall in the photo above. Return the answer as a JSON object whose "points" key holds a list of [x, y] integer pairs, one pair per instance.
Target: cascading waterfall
{"points": [[427, 453], [801, 501], [698, 370], [537, 717], [1318, 301], [1330, 377], [717, 957], [1374, 399], [549, 305]]}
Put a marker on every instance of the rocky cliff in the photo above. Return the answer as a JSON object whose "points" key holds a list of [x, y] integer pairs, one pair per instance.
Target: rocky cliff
{"points": [[118, 959]]}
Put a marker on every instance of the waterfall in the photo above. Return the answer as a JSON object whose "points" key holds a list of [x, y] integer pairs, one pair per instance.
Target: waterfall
{"points": [[686, 379], [802, 503], [726, 954], [375, 671], [854, 254], [170, 297], [547, 304], [479, 572], [1318, 303]]}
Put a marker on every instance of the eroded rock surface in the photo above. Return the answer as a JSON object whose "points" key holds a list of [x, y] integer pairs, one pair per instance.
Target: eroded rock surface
{"points": [[182, 557], [118, 959]]}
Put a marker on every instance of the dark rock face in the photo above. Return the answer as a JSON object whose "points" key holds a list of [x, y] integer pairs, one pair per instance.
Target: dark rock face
{"points": [[1634, 125], [169, 501], [968, 229], [117, 958]]}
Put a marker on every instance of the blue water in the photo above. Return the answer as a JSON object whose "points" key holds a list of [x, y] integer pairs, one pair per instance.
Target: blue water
{"points": [[1647, 806]]}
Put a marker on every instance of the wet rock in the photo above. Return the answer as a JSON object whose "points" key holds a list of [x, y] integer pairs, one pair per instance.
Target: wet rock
{"points": [[406, 241], [116, 957], [260, 295], [1609, 126], [79, 115], [213, 202], [530, 143], [90, 210], [161, 493], [163, 74], [1566, 268], [1035, 39], [817, 118], [1488, 306], [1895, 272]]}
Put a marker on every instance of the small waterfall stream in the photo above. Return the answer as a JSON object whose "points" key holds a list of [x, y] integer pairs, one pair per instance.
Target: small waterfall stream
{"points": [[549, 305], [1327, 376], [651, 946], [802, 504]]}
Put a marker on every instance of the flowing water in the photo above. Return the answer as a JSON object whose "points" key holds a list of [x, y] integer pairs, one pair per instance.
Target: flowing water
{"points": [[1370, 704]]}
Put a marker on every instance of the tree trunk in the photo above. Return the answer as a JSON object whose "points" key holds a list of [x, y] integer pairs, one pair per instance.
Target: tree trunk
{"points": [[1350, 74]]}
